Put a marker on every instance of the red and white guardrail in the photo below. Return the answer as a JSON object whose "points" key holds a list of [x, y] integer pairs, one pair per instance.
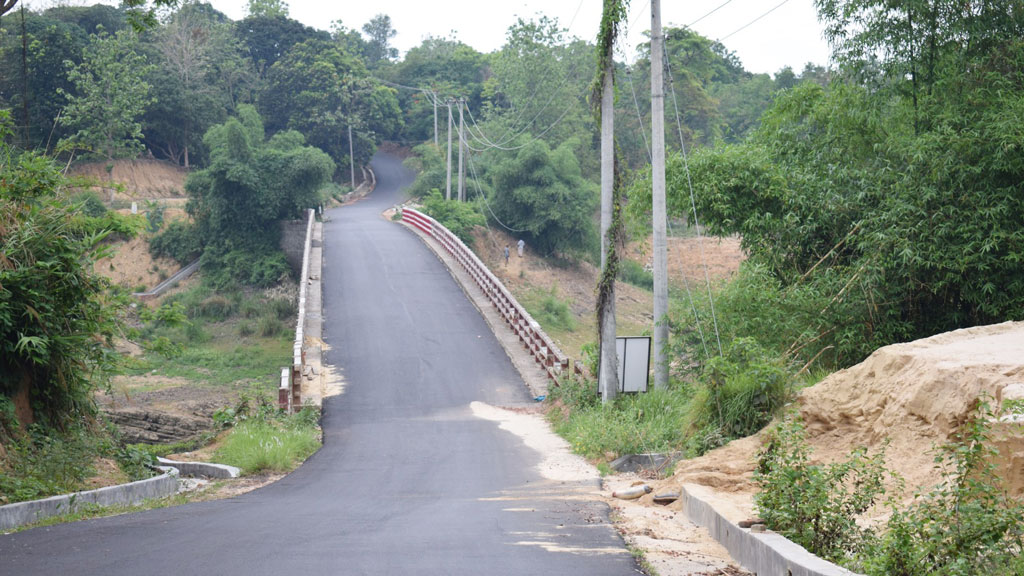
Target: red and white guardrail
{"points": [[544, 351]]}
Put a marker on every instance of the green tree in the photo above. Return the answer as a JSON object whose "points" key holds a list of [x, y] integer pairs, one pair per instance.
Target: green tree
{"points": [[542, 192], [319, 90], [537, 85], [378, 45], [199, 76], [251, 184], [56, 323], [445, 67], [111, 95], [268, 38], [272, 8], [38, 87]]}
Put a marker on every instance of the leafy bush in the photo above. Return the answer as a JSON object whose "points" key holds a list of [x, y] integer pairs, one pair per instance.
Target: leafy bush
{"points": [[459, 217], [816, 506], [551, 312], [179, 241], [216, 308], [739, 394], [634, 423], [246, 329], [268, 327], [632, 272], [543, 192], [44, 462], [154, 216], [260, 269], [965, 525], [89, 203], [56, 322], [282, 308]]}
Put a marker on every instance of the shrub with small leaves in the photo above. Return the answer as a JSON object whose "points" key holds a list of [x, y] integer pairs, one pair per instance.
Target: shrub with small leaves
{"points": [[816, 506]]}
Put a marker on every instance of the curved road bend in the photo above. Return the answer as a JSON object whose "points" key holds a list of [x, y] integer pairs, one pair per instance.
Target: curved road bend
{"points": [[408, 480]]}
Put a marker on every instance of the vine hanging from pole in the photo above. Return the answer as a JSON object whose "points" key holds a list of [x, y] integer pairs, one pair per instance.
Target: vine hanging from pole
{"points": [[611, 18], [616, 240]]}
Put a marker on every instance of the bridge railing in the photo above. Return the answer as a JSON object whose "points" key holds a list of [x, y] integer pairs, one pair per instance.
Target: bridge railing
{"points": [[540, 345], [289, 394]]}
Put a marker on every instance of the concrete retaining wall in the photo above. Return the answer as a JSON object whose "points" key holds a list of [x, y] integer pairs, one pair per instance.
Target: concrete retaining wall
{"points": [[170, 282], [293, 242], [289, 393], [21, 513], [765, 554]]}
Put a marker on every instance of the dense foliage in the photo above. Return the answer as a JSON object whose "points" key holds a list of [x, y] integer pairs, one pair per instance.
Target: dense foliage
{"points": [[542, 194], [966, 524], [56, 323], [250, 185], [886, 206]]}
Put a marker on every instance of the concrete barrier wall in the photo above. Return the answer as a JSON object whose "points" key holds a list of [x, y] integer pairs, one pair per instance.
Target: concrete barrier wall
{"points": [[22, 513], [289, 395], [765, 554], [169, 283], [543, 349]]}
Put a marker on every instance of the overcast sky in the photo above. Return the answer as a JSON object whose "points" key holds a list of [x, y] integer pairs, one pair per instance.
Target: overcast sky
{"points": [[789, 35]]}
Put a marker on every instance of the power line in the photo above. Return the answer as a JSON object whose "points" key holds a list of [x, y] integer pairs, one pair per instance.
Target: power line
{"points": [[693, 204], [744, 27], [476, 183], [716, 9]]}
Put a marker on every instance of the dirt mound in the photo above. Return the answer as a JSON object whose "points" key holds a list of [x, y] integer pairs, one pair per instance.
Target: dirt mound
{"points": [[131, 265], [916, 395], [142, 179], [913, 395], [692, 257]]}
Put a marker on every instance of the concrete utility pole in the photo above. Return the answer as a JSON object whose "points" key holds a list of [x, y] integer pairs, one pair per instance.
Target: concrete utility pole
{"points": [[351, 158], [448, 186], [658, 198], [608, 373], [462, 169], [433, 98]]}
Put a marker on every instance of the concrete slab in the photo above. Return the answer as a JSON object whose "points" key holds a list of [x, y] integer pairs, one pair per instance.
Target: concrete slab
{"points": [[22, 513], [765, 554], [203, 469]]}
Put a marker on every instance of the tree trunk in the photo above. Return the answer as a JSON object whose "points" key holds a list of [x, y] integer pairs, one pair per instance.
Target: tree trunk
{"points": [[608, 374], [658, 197], [23, 401]]}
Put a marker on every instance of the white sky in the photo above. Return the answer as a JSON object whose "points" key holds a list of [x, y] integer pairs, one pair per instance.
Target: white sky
{"points": [[789, 35]]}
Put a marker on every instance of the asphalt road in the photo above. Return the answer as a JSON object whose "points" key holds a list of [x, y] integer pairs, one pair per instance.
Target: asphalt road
{"points": [[408, 480]]}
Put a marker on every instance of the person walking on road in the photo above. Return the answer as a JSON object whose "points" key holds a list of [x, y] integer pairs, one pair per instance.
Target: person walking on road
{"points": [[506, 254], [520, 246]]}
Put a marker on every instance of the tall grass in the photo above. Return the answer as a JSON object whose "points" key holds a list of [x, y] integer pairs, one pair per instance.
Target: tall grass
{"points": [[550, 311], [270, 444], [633, 424]]}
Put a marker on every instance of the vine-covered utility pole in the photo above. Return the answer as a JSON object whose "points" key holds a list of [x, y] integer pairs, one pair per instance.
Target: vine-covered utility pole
{"points": [[603, 98]]}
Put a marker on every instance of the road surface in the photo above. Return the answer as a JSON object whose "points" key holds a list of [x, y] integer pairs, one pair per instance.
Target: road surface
{"points": [[408, 480]]}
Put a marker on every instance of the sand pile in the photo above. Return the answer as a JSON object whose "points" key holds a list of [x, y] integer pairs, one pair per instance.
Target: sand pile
{"points": [[914, 395], [142, 178]]}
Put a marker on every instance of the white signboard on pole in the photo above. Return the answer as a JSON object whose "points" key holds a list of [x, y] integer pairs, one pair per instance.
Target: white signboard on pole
{"points": [[634, 354]]}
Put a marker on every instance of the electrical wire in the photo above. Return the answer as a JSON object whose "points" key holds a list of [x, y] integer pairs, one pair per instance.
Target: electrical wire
{"points": [[693, 205], [716, 9], [744, 27], [639, 116], [480, 192]]}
